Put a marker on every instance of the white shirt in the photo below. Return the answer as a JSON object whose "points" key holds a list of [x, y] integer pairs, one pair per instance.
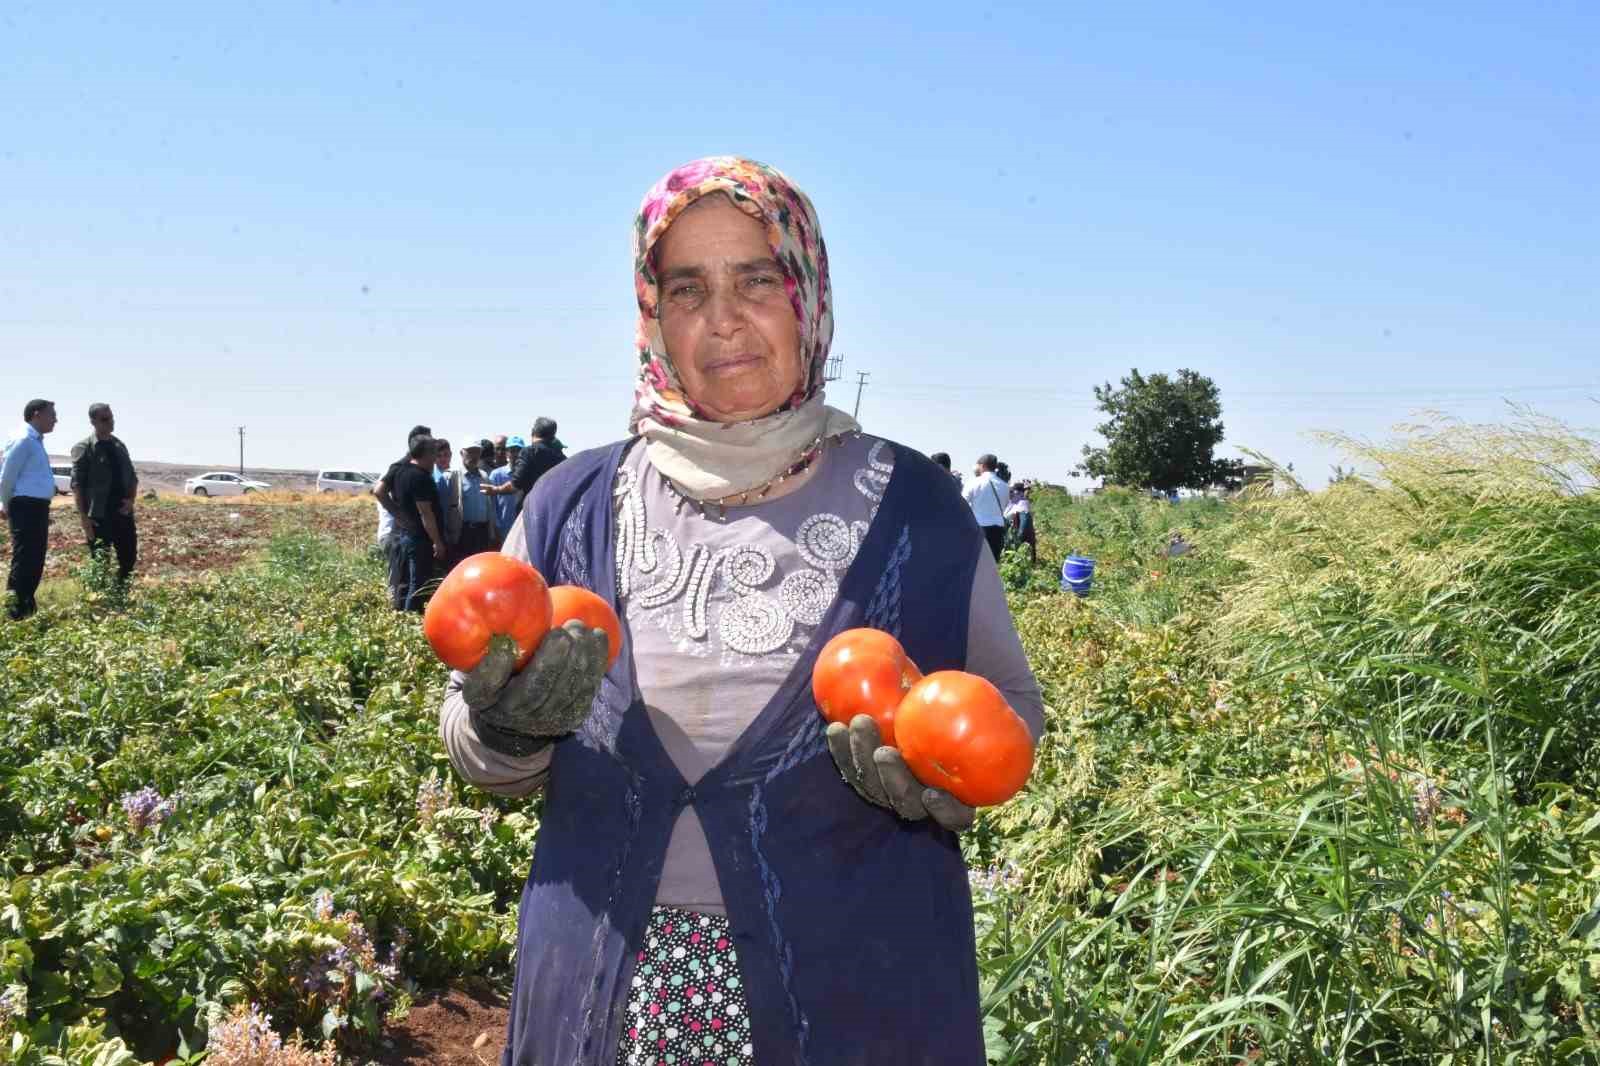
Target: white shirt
{"points": [[986, 495]]}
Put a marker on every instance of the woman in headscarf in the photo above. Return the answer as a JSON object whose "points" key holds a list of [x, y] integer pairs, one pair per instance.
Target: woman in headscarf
{"points": [[717, 878]]}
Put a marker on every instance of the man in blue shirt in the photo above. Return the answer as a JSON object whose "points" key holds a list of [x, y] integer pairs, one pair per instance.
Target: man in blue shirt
{"points": [[474, 508], [507, 505], [27, 486]]}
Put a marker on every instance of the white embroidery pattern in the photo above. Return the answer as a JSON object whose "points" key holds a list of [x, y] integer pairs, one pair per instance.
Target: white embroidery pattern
{"points": [[871, 481], [675, 586]]}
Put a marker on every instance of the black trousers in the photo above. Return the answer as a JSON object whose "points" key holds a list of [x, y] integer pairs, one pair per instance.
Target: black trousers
{"points": [[29, 519], [117, 532], [475, 538], [996, 536]]}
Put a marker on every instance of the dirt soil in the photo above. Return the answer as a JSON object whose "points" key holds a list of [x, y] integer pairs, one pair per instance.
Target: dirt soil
{"points": [[461, 1027], [187, 536]]}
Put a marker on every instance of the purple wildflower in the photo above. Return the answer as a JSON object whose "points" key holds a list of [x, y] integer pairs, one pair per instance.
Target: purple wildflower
{"points": [[13, 1004], [433, 796], [147, 807], [995, 879], [246, 1038], [1426, 800]]}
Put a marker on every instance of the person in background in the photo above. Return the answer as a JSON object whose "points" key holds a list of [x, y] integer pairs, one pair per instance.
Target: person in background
{"points": [[27, 485], [488, 457], [943, 459], [447, 481], [383, 492], [536, 460], [418, 540], [986, 496], [508, 501], [385, 530], [104, 486], [475, 510], [1019, 520]]}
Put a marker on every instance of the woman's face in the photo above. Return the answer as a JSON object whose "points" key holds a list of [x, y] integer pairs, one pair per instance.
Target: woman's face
{"points": [[726, 319]]}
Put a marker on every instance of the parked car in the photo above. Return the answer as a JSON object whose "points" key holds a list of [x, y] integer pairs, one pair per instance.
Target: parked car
{"points": [[63, 479], [347, 482], [221, 483]]}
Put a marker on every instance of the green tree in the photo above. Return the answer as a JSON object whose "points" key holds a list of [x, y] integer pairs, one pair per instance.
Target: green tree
{"points": [[1160, 434]]}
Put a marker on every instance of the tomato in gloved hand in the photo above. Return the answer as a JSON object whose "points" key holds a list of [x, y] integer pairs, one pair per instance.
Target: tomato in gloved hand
{"points": [[487, 595], [957, 732], [863, 671], [575, 601]]}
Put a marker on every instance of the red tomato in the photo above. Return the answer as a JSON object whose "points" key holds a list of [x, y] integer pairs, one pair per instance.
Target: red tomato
{"points": [[485, 596], [958, 733], [575, 601], [863, 671]]}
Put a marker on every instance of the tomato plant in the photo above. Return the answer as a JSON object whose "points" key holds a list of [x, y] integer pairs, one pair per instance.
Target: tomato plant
{"points": [[485, 596], [863, 671], [957, 732], [574, 601]]}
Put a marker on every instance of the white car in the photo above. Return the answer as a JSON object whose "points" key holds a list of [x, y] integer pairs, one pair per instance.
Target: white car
{"points": [[221, 483], [346, 482], [63, 476]]}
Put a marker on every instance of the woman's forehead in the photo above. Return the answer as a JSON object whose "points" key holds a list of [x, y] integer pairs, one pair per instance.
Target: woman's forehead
{"points": [[718, 230]]}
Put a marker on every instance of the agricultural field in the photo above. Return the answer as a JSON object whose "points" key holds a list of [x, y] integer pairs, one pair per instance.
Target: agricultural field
{"points": [[185, 536], [1321, 786]]}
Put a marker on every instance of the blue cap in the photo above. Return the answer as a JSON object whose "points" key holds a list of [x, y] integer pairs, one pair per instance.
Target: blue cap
{"points": [[516, 442]]}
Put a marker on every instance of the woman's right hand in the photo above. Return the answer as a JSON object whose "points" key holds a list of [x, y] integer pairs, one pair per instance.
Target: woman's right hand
{"points": [[517, 713]]}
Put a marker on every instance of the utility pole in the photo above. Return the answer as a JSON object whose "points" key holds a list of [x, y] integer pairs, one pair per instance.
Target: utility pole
{"points": [[861, 383], [241, 451], [833, 368]]}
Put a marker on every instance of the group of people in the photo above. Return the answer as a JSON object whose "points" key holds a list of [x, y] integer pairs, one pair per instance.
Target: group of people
{"points": [[1002, 509], [104, 487], [432, 515]]}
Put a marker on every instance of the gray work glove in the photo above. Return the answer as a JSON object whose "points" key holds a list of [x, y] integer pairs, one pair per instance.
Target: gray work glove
{"points": [[519, 713], [880, 774]]}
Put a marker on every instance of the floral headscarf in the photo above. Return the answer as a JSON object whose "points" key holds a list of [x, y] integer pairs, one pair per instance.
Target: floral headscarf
{"points": [[770, 198], [704, 456]]}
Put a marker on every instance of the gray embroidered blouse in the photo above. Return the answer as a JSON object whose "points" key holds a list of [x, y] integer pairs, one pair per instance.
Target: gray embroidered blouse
{"points": [[720, 607]]}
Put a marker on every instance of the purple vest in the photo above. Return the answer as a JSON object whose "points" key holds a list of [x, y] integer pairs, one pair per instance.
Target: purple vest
{"points": [[853, 927]]}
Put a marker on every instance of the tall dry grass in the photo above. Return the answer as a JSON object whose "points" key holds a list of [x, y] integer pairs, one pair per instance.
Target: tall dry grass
{"points": [[1322, 790]]}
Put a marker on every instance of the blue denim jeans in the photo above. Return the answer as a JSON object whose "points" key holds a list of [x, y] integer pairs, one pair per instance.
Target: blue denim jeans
{"points": [[410, 569]]}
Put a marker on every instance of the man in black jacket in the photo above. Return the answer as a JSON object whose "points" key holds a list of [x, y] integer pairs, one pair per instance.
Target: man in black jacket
{"points": [[105, 485], [536, 460]]}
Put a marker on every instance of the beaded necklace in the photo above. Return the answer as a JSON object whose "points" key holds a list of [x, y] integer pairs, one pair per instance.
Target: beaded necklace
{"points": [[808, 455]]}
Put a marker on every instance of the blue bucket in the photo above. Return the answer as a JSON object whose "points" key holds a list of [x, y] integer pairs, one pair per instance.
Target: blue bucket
{"points": [[1076, 574]]}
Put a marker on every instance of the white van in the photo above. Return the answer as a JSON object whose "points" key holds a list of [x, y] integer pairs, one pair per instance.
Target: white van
{"points": [[347, 482]]}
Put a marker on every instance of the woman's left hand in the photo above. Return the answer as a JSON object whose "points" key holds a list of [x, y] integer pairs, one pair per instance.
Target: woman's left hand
{"points": [[879, 775]]}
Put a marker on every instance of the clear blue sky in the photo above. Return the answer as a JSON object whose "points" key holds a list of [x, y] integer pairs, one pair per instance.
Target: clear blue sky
{"points": [[328, 221]]}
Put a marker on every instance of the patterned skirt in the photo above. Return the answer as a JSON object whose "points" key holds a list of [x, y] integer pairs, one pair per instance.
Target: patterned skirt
{"points": [[687, 1003]]}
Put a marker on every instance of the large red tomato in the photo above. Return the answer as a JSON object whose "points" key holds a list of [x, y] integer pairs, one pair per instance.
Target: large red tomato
{"points": [[958, 733], [486, 595], [575, 601], [863, 671]]}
